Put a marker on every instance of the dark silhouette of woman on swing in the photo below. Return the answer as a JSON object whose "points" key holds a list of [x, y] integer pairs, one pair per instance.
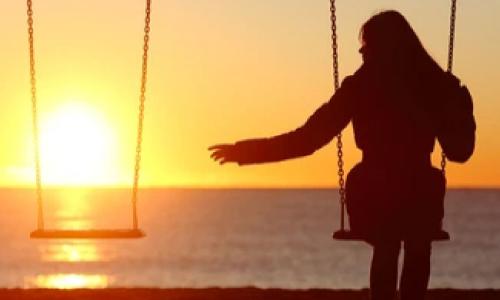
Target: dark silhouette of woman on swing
{"points": [[399, 102]]}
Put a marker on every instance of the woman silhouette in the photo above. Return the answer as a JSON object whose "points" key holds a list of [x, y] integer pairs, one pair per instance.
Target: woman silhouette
{"points": [[399, 101]]}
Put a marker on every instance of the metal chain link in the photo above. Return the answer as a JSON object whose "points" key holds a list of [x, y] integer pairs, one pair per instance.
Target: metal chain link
{"points": [[335, 62], [451, 44], [142, 99], [336, 84], [36, 144]]}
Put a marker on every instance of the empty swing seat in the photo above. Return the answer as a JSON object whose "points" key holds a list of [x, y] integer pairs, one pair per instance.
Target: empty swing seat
{"points": [[87, 234]]}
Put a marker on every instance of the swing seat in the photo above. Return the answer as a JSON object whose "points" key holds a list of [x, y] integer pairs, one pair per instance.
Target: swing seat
{"points": [[347, 235], [87, 234]]}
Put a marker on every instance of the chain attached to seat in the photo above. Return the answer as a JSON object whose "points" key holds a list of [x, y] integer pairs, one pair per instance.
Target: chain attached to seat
{"points": [[336, 85], [451, 44]]}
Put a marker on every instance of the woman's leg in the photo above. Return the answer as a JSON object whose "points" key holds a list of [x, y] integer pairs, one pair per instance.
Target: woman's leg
{"points": [[384, 270], [416, 270]]}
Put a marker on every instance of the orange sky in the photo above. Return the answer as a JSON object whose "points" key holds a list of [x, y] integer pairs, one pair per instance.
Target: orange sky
{"points": [[220, 70]]}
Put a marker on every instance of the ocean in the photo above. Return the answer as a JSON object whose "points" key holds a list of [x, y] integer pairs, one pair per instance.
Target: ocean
{"points": [[226, 238]]}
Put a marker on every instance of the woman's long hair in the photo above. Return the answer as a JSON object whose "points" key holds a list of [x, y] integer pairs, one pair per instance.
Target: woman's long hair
{"points": [[392, 43]]}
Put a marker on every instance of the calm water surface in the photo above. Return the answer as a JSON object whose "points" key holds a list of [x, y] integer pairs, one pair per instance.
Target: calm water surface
{"points": [[227, 238]]}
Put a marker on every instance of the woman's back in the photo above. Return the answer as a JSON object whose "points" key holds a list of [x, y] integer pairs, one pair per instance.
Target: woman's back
{"points": [[399, 90], [393, 116]]}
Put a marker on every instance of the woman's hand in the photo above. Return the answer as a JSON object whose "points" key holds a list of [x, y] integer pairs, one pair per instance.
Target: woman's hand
{"points": [[224, 153]]}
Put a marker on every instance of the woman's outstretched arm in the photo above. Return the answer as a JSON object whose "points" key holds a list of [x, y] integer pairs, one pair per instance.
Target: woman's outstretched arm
{"points": [[326, 122]]}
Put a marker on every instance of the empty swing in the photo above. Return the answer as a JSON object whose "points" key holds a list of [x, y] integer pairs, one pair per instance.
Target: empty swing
{"points": [[344, 233], [41, 232]]}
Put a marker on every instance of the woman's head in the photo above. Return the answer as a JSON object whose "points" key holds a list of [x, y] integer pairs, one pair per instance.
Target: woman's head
{"points": [[387, 37]]}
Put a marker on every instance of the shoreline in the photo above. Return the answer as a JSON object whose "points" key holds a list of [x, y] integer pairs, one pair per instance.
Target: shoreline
{"points": [[243, 293]]}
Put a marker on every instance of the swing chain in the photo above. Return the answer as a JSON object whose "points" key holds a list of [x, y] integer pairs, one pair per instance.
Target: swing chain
{"points": [[333, 19], [34, 111], [340, 160], [142, 99], [451, 44], [340, 172]]}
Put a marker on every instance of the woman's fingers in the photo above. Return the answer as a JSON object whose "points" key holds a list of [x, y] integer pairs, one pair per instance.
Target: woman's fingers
{"points": [[219, 146], [215, 154], [223, 153], [218, 154], [221, 159]]}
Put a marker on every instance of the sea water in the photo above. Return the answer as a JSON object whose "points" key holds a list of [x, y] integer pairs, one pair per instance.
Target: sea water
{"points": [[226, 238]]}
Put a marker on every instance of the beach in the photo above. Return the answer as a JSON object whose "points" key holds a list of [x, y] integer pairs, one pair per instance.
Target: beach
{"points": [[228, 294]]}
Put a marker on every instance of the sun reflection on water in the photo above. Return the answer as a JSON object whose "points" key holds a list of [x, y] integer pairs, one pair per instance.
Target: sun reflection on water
{"points": [[71, 259], [69, 281], [71, 211], [77, 251]]}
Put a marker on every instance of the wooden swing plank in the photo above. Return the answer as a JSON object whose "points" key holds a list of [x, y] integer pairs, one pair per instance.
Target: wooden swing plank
{"points": [[87, 234]]}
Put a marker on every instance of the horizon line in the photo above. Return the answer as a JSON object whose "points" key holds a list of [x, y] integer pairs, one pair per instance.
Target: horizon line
{"points": [[220, 187]]}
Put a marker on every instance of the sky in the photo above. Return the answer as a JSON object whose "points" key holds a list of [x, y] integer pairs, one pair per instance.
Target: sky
{"points": [[219, 71]]}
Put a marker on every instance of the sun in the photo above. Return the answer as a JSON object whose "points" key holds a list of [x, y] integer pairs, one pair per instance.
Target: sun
{"points": [[77, 147]]}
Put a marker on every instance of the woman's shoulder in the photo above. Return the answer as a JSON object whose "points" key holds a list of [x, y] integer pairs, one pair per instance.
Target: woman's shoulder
{"points": [[366, 74], [355, 80]]}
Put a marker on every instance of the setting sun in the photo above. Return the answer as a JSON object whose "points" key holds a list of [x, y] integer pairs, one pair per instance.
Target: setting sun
{"points": [[77, 147]]}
